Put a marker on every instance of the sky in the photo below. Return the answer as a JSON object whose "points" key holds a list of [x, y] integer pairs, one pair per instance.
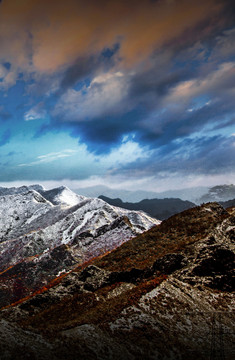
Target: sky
{"points": [[129, 94]]}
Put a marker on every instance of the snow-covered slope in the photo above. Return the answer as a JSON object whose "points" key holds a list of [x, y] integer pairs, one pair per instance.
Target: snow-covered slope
{"points": [[18, 210], [45, 232], [61, 196]]}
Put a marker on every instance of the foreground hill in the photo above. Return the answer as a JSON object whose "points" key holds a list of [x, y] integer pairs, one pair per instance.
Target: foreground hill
{"points": [[166, 294], [158, 208], [46, 233]]}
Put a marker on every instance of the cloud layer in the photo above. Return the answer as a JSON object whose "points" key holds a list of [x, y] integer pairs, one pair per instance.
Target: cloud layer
{"points": [[155, 78]]}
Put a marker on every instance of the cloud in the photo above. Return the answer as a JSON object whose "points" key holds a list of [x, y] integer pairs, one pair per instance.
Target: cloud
{"points": [[53, 156], [129, 151], [152, 183], [52, 34], [207, 156], [35, 113], [101, 97], [225, 44], [47, 38], [158, 73], [160, 111], [216, 82], [8, 76], [88, 66]]}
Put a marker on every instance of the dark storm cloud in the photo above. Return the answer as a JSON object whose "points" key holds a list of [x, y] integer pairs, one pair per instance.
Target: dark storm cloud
{"points": [[151, 120], [167, 79], [87, 66], [157, 81], [146, 109], [102, 134], [192, 122]]}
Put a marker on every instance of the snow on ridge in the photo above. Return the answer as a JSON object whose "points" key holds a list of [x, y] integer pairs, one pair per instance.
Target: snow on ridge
{"points": [[62, 196], [4, 191], [32, 222], [57, 196]]}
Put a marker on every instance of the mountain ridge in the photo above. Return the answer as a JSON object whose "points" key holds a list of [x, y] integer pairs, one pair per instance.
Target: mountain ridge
{"points": [[158, 208], [197, 195], [156, 296], [41, 237]]}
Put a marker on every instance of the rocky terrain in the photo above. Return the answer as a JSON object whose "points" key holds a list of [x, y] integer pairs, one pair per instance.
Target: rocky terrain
{"points": [[166, 294], [44, 234]]}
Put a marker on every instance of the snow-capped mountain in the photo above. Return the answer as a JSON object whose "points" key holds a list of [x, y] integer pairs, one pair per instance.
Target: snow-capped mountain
{"points": [[44, 233]]}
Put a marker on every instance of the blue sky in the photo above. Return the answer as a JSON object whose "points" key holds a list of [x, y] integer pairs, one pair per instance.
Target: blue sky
{"points": [[135, 95]]}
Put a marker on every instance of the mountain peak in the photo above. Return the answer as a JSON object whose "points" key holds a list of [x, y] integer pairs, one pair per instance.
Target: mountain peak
{"points": [[62, 195], [46, 232]]}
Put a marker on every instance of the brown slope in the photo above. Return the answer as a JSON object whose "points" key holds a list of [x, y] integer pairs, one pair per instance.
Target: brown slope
{"points": [[144, 258], [172, 235], [146, 315]]}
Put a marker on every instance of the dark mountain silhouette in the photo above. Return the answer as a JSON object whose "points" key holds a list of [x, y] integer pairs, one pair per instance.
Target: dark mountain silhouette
{"points": [[158, 208], [227, 204]]}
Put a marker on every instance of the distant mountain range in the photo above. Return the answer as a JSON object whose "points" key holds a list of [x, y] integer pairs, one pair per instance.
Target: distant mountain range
{"points": [[219, 193], [191, 194], [197, 195], [228, 204], [158, 208]]}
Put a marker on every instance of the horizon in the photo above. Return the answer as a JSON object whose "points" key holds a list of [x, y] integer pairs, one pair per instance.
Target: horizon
{"points": [[132, 95], [52, 185]]}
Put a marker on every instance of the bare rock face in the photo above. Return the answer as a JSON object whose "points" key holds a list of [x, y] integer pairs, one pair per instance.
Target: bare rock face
{"points": [[216, 265], [169, 263], [94, 277]]}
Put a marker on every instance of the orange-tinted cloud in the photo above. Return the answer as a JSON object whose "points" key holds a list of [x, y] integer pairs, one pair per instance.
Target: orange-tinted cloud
{"points": [[46, 35]]}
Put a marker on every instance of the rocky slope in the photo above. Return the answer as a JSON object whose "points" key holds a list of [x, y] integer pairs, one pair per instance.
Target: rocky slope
{"points": [[45, 233], [166, 294]]}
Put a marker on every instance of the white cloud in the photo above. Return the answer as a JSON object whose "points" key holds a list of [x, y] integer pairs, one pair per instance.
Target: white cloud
{"points": [[129, 183], [101, 97], [129, 151], [35, 113], [47, 158]]}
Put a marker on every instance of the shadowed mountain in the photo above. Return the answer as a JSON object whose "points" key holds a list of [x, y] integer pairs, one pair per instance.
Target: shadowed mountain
{"points": [[158, 208], [227, 204], [133, 196]]}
